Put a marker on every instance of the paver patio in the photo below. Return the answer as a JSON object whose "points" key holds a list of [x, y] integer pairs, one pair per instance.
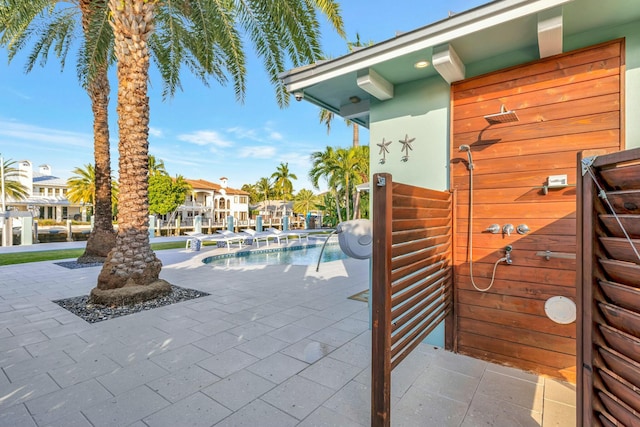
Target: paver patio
{"points": [[271, 346]]}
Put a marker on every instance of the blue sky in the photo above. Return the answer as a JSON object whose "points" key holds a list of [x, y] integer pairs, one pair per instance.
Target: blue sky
{"points": [[201, 133]]}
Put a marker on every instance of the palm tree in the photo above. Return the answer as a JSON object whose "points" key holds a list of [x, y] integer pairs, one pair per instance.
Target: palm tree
{"points": [[156, 166], [82, 186], [208, 38], [53, 23], [282, 181], [12, 185], [323, 166], [264, 189], [305, 201]]}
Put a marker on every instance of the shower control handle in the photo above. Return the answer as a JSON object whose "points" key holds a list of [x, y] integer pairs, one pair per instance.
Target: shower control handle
{"points": [[493, 228], [507, 229]]}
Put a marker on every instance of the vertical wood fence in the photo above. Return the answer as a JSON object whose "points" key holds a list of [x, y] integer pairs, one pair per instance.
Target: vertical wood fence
{"points": [[411, 278], [609, 290]]}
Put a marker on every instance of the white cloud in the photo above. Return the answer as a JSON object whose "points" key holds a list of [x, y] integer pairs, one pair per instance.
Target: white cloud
{"points": [[205, 138], [244, 133], [276, 136], [41, 135], [257, 152], [155, 132]]}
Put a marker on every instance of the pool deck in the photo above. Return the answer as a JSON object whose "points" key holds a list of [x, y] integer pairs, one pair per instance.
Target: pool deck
{"points": [[272, 345]]}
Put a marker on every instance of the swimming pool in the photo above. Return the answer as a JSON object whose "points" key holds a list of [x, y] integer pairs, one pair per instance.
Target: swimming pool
{"points": [[293, 255]]}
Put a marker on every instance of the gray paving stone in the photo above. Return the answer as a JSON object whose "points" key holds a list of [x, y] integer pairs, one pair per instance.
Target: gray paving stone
{"points": [[308, 351], [75, 419], [38, 365], [330, 372], [86, 368], [512, 390], [218, 343], [16, 416], [180, 384], [314, 322], [291, 333], [179, 358], [177, 324], [63, 344], [258, 413], [15, 355], [196, 410], [353, 401], [22, 340], [226, 363], [238, 389], [126, 408], [25, 389], [557, 414], [323, 417], [212, 327], [68, 329], [131, 376], [421, 408], [277, 320], [332, 336], [352, 325], [26, 327], [251, 330], [58, 404], [353, 354], [443, 382], [277, 367], [298, 396], [263, 346], [485, 410], [177, 339]]}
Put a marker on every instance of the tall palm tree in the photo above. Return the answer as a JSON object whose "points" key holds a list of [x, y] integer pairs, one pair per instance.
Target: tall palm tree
{"points": [[12, 185], [207, 37], [53, 24], [282, 181]]}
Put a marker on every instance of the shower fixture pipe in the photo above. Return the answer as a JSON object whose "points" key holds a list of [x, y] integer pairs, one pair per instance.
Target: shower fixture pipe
{"points": [[506, 258]]}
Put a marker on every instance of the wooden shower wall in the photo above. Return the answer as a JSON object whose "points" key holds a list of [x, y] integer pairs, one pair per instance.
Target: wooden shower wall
{"points": [[566, 103]]}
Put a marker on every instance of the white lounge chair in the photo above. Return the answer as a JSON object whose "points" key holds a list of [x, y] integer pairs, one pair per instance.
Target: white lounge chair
{"points": [[257, 236], [228, 240], [279, 234]]}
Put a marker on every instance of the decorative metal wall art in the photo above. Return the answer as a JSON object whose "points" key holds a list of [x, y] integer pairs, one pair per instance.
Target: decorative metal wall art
{"points": [[406, 146], [383, 150]]}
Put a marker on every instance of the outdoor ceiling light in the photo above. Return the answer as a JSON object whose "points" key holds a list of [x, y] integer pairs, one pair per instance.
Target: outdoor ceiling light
{"points": [[421, 64]]}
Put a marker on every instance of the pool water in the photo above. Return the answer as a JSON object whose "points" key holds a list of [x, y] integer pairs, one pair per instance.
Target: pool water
{"points": [[294, 255]]}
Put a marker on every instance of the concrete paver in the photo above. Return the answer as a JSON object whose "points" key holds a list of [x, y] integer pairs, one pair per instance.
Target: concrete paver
{"points": [[271, 346]]}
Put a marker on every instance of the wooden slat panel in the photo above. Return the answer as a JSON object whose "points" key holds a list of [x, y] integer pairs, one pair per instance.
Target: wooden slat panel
{"points": [[539, 226], [520, 336], [631, 223], [625, 202], [621, 342], [416, 202], [432, 323], [625, 296], [626, 320], [407, 281], [419, 223], [502, 302], [624, 414], [416, 213], [424, 193], [562, 210], [522, 289], [621, 272], [438, 290], [400, 297], [561, 64], [627, 177], [621, 365], [421, 263], [415, 234], [540, 356], [435, 303], [419, 245], [621, 249], [621, 388], [518, 320], [416, 256], [521, 274], [420, 333]]}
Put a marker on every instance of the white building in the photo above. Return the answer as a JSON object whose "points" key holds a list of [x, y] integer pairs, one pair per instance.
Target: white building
{"points": [[215, 202], [47, 195]]}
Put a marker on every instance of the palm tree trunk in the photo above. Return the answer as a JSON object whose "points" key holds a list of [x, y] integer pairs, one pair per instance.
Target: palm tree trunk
{"points": [[356, 135], [103, 237], [356, 205], [132, 269], [347, 190], [338, 210]]}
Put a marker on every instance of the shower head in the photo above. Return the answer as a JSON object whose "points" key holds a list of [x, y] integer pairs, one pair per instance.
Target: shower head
{"points": [[468, 150], [503, 116]]}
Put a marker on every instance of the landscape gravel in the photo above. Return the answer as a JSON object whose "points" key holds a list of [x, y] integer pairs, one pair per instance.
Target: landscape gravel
{"points": [[94, 313]]}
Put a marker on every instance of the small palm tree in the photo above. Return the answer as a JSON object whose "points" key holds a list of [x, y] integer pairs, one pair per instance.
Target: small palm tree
{"points": [[264, 188], [305, 201], [323, 167], [82, 185], [12, 185], [282, 181], [156, 166]]}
